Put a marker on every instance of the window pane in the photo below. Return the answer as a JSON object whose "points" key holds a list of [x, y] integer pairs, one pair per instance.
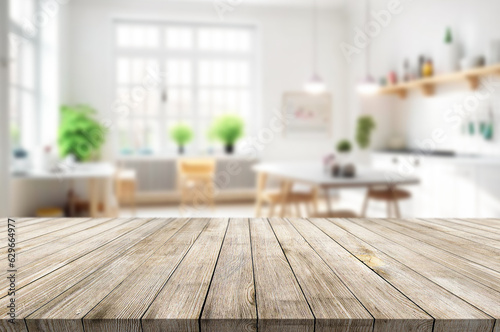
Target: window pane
{"points": [[27, 65], [123, 71], [178, 72], [224, 73], [179, 38], [28, 129], [222, 39], [145, 136], [21, 11], [143, 36], [179, 102], [141, 69], [125, 141]]}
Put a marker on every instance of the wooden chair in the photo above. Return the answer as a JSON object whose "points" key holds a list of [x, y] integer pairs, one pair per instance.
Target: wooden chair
{"points": [[390, 195], [126, 186], [195, 181], [286, 198]]}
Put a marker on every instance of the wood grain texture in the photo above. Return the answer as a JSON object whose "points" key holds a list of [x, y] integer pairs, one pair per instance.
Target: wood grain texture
{"points": [[488, 223], [281, 305], [466, 267], [33, 263], [381, 299], [331, 302], [482, 297], [276, 275], [442, 305], [179, 304], [230, 304], [473, 251], [45, 287], [141, 287], [65, 312]]}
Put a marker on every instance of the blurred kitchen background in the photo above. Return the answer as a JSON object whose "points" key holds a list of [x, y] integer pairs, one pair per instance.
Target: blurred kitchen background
{"points": [[241, 108]]}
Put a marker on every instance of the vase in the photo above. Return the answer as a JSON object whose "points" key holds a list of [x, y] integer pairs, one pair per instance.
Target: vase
{"points": [[181, 149], [229, 148]]}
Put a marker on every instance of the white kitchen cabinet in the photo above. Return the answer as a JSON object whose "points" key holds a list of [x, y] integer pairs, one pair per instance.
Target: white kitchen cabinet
{"points": [[450, 187], [488, 191]]}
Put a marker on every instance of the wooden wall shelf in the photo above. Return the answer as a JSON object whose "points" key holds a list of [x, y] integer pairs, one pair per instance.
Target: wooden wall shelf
{"points": [[427, 85]]}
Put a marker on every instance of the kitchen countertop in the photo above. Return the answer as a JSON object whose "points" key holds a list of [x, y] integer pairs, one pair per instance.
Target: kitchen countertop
{"points": [[443, 156]]}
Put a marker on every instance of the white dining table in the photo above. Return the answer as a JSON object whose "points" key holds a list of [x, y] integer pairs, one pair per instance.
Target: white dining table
{"points": [[99, 176], [315, 175]]}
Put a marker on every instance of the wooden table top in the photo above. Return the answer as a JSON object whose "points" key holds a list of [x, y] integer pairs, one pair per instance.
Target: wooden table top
{"points": [[240, 274]]}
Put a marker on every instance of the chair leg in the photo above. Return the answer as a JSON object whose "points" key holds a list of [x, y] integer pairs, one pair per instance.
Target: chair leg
{"points": [[132, 198], [308, 209], [389, 209], [365, 204], [297, 210], [315, 208], [272, 208], [396, 209]]}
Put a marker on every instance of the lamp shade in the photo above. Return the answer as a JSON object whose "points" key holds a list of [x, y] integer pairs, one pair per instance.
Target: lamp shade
{"points": [[367, 86], [315, 85]]}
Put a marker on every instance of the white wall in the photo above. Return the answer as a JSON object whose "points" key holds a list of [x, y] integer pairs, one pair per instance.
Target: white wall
{"points": [[4, 115], [419, 29], [285, 54]]}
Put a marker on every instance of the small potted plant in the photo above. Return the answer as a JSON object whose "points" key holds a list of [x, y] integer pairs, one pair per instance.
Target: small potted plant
{"points": [[80, 135], [366, 124], [228, 129], [344, 147], [181, 134]]}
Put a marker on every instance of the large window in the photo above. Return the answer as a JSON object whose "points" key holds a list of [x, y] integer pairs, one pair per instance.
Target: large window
{"points": [[203, 71], [23, 75]]}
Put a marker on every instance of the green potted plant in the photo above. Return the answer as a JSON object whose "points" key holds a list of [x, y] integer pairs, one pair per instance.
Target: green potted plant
{"points": [[228, 129], [364, 129], [181, 134], [344, 146], [80, 134]]}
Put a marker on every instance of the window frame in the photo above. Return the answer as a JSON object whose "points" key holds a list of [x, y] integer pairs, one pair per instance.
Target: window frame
{"points": [[194, 56], [16, 29]]}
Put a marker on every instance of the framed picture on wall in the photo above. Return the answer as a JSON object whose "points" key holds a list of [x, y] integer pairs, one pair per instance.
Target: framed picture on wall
{"points": [[307, 115]]}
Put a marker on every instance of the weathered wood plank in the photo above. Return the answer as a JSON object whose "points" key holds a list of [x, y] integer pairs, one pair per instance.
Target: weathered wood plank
{"points": [[450, 312], [65, 312], [468, 225], [230, 304], [392, 310], [281, 305], [482, 297], [179, 304], [332, 303], [39, 291], [488, 238], [141, 287], [473, 251], [470, 269], [27, 241], [488, 223], [41, 260]]}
